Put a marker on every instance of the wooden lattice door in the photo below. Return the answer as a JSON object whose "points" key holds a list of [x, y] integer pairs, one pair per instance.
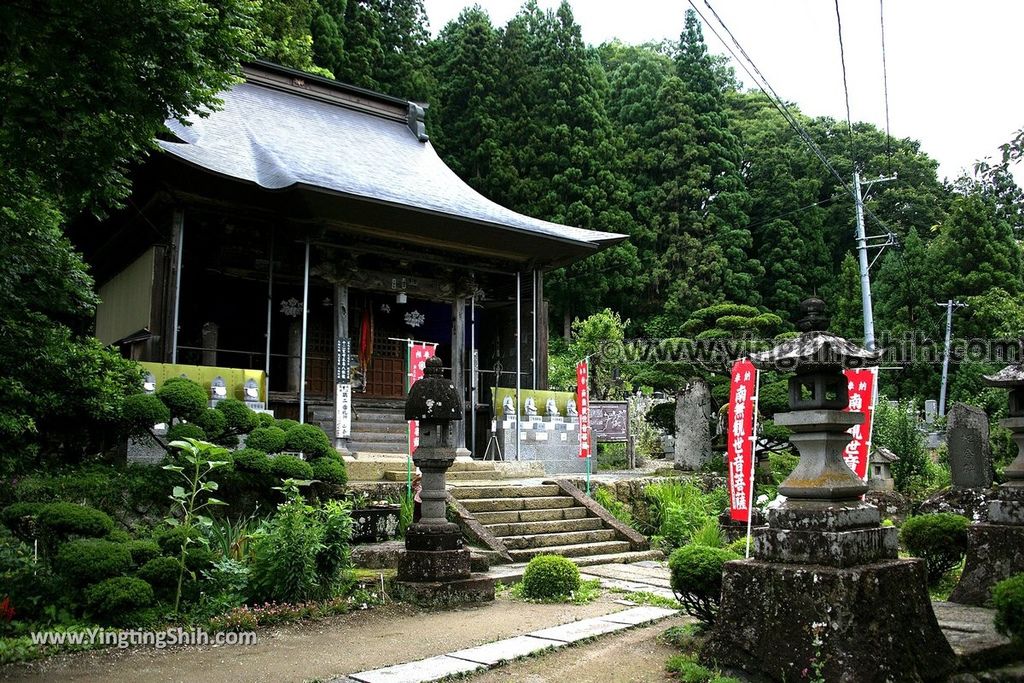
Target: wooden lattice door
{"points": [[385, 377]]}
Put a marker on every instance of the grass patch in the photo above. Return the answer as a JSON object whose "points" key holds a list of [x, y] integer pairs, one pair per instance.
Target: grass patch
{"points": [[646, 598], [689, 670], [588, 592], [688, 637]]}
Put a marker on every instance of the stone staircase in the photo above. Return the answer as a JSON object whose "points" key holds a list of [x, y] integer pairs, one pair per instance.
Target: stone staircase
{"points": [[536, 520], [459, 471], [378, 425]]}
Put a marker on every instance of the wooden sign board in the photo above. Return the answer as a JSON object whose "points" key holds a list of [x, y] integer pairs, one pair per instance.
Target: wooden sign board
{"points": [[609, 421]]}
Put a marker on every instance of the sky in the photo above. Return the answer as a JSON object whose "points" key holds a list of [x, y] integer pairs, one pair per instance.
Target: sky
{"points": [[953, 66]]}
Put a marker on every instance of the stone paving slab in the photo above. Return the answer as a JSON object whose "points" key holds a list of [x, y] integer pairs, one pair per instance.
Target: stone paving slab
{"points": [[579, 630], [624, 573], [430, 669], [972, 634], [638, 615], [632, 586], [505, 650]]}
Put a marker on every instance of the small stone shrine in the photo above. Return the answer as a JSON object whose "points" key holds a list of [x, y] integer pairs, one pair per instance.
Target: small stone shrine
{"points": [[995, 549], [825, 592], [435, 568]]}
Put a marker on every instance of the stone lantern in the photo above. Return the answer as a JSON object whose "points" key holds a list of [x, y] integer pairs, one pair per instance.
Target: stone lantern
{"points": [[995, 549], [436, 565], [825, 590]]}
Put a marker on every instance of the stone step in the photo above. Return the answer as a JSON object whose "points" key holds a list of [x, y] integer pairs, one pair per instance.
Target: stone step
{"points": [[379, 437], [475, 505], [580, 550], [467, 492], [376, 447], [551, 526], [568, 538], [513, 516], [459, 475]]}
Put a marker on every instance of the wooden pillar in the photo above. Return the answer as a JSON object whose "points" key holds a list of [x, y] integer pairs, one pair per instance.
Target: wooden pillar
{"points": [[542, 335], [341, 444], [173, 298], [210, 332], [459, 369]]}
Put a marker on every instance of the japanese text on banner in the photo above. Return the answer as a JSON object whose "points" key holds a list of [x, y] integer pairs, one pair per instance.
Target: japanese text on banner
{"points": [[860, 385], [583, 407], [418, 355], [742, 406]]}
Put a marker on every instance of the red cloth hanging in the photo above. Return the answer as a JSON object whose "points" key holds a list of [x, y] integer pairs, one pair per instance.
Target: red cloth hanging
{"points": [[366, 337]]}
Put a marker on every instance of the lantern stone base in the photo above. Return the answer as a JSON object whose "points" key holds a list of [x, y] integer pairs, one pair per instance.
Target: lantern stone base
{"points": [[434, 565], [444, 593], [829, 548], [994, 552], [791, 622]]}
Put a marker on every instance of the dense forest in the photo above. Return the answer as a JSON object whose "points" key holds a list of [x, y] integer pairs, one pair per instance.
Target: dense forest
{"points": [[732, 219]]}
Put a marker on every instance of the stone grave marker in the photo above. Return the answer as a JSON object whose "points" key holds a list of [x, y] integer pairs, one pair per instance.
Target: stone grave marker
{"points": [[970, 457]]}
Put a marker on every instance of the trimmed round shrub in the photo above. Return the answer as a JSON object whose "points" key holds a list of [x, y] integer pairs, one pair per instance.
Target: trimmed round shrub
{"points": [[142, 411], [1008, 600], [119, 536], [198, 558], [309, 440], [63, 520], [143, 551], [286, 424], [290, 467], [184, 398], [252, 460], [185, 430], [266, 420], [330, 470], [114, 599], [240, 418], [939, 539], [170, 538], [212, 422], [266, 439], [162, 574], [21, 517], [90, 560], [550, 577], [697, 579]]}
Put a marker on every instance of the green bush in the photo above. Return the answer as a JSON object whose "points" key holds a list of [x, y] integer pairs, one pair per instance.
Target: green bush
{"points": [[615, 507], [171, 538], [1008, 601], [185, 430], [266, 420], [290, 467], [550, 577], [90, 560], [212, 422], [739, 547], [143, 551], [663, 416], [285, 424], [301, 553], [252, 460], [676, 510], [708, 534], [939, 539], [309, 440], [21, 518], [330, 470], [142, 411], [266, 439], [119, 536], [64, 520], [697, 579], [162, 574], [241, 419], [112, 600], [185, 399]]}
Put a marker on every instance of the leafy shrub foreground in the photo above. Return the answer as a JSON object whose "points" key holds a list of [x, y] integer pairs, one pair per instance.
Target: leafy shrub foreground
{"points": [[939, 539], [696, 578], [1008, 601], [550, 577]]}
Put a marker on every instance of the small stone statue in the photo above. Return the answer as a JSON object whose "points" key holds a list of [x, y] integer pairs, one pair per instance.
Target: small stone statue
{"points": [[508, 406], [570, 408], [551, 408], [531, 407]]}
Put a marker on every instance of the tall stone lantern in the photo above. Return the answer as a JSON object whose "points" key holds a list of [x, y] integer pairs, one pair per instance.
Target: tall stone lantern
{"points": [[995, 549], [435, 567], [825, 591]]}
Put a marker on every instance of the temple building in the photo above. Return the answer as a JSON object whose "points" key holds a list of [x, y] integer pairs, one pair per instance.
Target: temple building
{"points": [[308, 234]]}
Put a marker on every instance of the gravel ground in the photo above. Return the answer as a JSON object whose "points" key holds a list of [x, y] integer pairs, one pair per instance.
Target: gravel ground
{"points": [[323, 649]]}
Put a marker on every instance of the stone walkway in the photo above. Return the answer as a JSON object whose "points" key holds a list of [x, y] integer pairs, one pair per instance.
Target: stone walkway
{"points": [[646, 577]]}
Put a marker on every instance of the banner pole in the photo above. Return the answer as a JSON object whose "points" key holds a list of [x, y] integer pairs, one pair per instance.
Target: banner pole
{"points": [[408, 458], [753, 457]]}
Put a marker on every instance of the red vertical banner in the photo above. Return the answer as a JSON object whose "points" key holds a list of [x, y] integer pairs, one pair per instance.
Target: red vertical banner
{"points": [[740, 449], [418, 355], [860, 385], [583, 406]]}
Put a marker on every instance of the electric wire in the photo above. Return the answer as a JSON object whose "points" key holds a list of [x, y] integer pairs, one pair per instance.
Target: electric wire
{"points": [[846, 87], [885, 88]]}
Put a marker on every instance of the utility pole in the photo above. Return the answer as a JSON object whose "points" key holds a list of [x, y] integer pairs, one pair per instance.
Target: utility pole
{"points": [[949, 305], [862, 257]]}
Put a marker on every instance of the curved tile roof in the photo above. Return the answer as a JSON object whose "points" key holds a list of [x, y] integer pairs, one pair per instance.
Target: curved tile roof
{"points": [[278, 139]]}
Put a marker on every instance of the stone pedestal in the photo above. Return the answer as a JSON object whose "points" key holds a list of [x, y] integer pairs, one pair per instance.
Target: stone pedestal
{"points": [[995, 551], [792, 622]]}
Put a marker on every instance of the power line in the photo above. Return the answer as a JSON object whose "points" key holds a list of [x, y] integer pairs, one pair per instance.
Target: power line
{"points": [[846, 88], [776, 101], [885, 86]]}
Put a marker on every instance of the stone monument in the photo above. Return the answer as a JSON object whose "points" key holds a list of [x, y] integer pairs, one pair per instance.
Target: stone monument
{"points": [[970, 455], [435, 567], [825, 592], [995, 549], [693, 426]]}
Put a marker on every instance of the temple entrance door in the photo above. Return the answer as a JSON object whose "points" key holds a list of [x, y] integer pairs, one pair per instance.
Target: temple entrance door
{"points": [[385, 378]]}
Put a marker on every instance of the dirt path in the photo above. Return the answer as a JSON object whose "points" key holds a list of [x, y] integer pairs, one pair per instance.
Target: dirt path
{"points": [[320, 650], [631, 657]]}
